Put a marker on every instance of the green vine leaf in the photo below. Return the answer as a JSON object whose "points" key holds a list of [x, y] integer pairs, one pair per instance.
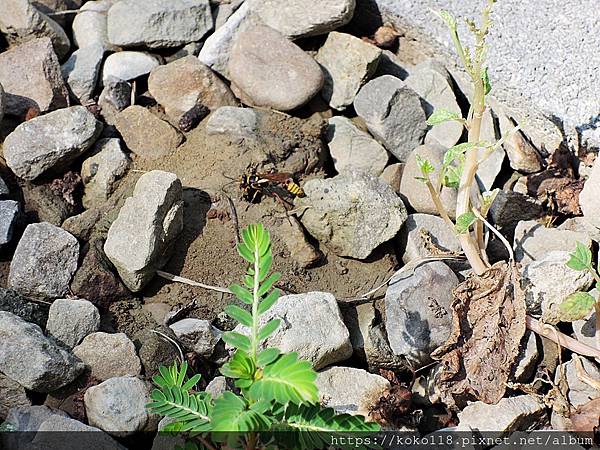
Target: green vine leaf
{"points": [[487, 86], [456, 152], [464, 222], [425, 166], [442, 115], [581, 258], [576, 306], [237, 340]]}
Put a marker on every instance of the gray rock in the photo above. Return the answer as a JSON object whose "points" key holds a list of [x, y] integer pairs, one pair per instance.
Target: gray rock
{"points": [[108, 355], [71, 320], [585, 329], [548, 282], [35, 147], [217, 386], [533, 241], [31, 77], [349, 390], [302, 18], [424, 235], [223, 11], [81, 72], [271, 71], [101, 171], [86, 437], [158, 24], [579, 391], [527, 360], [185, 83], [301, 250], [154, 350], [44, 261], [28, 310], [589, 198], [191, 49], [433, 83], [353, 149], [145, 134], [490, 167], [522, 154], [417, 318], [393, 113], [114, 98], [347, 62], [237, 123], [128, 65], [9, 215], [167, 441], [89, 25], [580, 224], [32, 359], [508, 415], [44, 204], [30, 418], [2, 106], [118, 406], [13, 396], [197, 335], [21, 21], [416, 192], [510, 207], [392, 175], [140, 239], [351, 214], [311, 325]]}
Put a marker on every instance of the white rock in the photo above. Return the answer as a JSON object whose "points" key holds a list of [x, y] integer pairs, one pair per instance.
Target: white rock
{"points": [[423, 234], [585, 329], [89, 25], [235, 122], [79, 435], [589, 198], [197, 335], [70, 320], [128, 65], [109, 355], [527, 359], [217, 386]]}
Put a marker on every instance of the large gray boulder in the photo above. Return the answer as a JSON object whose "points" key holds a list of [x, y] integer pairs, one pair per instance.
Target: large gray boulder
{"points": [[32, 359], [44, 261], [140, 239], [78, 435], [50, 142], [13, 396], [352, 213]]}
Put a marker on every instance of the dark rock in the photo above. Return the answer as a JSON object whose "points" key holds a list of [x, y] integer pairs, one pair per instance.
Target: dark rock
{"points": [[13, 396], [43, 204], [510, 207], [154, 350], [23, 307]]}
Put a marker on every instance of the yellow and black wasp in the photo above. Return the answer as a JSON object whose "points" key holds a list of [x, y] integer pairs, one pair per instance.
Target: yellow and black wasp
{"points": [[256, 185]]}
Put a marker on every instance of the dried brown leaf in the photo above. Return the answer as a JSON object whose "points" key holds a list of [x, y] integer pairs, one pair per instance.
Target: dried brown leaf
{"points": [[487, 327]]}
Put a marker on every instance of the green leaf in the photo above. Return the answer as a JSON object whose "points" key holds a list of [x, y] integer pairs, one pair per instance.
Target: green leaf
{"points": [[576, 306], [268, 283], [191, 411], [237, 340], [232, 414], [245, 252], [442, 115], [269, 301], [452, 176], [267, 356], [449, 19], [464, 221], [174, 376], [240, 366], [487, 86], [241, 293], [268, 329], [454, 153], [239, 314], [581, 258], [425, 166]]}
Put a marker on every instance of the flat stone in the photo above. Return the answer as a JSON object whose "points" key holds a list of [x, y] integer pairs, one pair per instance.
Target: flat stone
{"points": [[89, 25], [424, 235], [351, 214], [71, 320], [158, 24], [118, 406], [347, 62], [302, 18], [21, 22], [522, 154], [527, 360], [108, 355], [417, 318], [271, 71], [28, 310], [580, 224], [44, 261], [13, 396], [301, 250], [392, 175], [353, 149], [237, 123], [510, 207], [416, 192], [185, 83], [35, 147], [145, 134], [311, 325], [86, 437], [393, 114], [81, 71], [128, 65], [140, 239], [32, 359], [101, 171], [349, 390], [197, 335], [32, 80], [579, 392], [432, 82], [9, 215]]}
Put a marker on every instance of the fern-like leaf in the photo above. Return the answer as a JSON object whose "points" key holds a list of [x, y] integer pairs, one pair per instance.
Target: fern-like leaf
{"points": [[192, 411]]}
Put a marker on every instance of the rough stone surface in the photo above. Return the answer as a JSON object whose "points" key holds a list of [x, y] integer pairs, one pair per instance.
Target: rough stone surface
{"points": [[117, 357], [70, 320], [301, 250], [548, 282], [13, 396], [185, 83], [44, 261], [140, 239], [271, 71], [580, 224], [3, 187], [416, 192], [26, 420], [393, 114], [50, 142], [585, 329], [87, 437], [217, 386], [9, 215], [349, 390], [145, 134], [392, 175], [32, 359], [128, 65], [197, 335], [311, 325], [237, 123], [31, 77], [351, 214], [351, 148], [302, 18], [154, 351], [432, 82], [579, 392], [417, 318], [81, 72], [89, 25], [26, 309], [589, 198], [424, 235], [528, 358], [102, 170], [522, 154], [158, 24], [114, 98], [510, 207], [347, 62], [118, 406]]}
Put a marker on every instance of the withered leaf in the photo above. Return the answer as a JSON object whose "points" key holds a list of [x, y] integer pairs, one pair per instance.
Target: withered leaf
{"points": [[587, 417], [488, 324]]}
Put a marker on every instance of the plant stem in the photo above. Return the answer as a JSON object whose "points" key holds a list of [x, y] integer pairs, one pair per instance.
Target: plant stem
{"points": [[255, 300], [437, 201]]}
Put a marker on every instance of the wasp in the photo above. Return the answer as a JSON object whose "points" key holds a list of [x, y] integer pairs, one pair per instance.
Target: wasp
{"points": [[254, 185]]}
